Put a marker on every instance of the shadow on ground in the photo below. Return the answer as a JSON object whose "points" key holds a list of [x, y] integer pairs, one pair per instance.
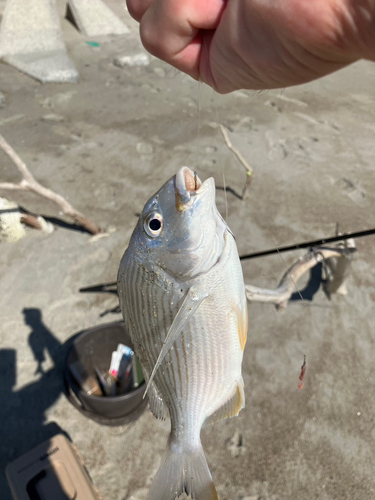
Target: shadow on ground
{"points": [[22, 412], [230, 190], [312, 286]]}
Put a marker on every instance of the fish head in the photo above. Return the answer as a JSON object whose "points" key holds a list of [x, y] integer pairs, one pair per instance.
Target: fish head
{"points": [[180, 228]]}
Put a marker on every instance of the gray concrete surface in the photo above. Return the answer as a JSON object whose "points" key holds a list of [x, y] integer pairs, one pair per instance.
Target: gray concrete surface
{"points": [[31, 41], [94, 18], [120, 133]]}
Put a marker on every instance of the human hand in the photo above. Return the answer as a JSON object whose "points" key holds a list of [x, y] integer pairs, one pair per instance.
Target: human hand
{"points": [[256, 44]]}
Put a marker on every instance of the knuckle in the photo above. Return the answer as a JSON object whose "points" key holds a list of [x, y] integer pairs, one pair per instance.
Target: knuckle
{"points": [[135, 9], [152, 41]]}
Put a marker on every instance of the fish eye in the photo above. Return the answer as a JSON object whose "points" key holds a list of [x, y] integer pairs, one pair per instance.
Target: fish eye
{"points": [[153, 224]]}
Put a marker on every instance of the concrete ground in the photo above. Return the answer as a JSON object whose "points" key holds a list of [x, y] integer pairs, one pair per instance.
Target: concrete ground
{"points": [[107, 144]]}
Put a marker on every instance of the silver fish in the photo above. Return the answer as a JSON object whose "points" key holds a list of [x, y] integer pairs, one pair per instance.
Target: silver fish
{"points": [[183, 299]]}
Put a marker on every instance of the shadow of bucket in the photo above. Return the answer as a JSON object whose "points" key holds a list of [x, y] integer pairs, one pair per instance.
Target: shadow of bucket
{"points": [[93, 348]]}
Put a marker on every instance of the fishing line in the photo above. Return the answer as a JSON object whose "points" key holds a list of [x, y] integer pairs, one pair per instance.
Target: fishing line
{"points": [[216, 119], [221, 163], [312, 320], [199, 121]]}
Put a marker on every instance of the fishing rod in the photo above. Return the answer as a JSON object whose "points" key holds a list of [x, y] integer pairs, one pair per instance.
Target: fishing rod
{"points": [[308, 244]]}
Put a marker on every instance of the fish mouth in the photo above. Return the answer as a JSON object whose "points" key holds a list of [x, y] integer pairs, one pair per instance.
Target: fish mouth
{"points": [[188, 185]]}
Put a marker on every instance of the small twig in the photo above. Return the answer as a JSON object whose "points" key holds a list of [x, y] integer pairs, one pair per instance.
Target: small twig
{"points": [[302, 374], [31, 220], [12, 185], [37, 222], [249, 180], [31, 184], [244, 163]]}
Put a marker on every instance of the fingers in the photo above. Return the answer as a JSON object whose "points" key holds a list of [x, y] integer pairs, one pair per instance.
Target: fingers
{"points": [[137, 8], [172, 30]]}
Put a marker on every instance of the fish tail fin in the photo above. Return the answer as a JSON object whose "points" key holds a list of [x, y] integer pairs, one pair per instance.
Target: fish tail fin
{"points": [[183, 471]]}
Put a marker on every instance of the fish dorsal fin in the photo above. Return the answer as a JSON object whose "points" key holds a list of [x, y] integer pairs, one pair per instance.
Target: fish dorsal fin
{"points": [[192, 301], [157, 405], [230, 408]]}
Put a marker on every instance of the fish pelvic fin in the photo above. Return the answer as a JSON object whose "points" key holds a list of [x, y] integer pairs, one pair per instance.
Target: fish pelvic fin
{"points": [[183, 471], [232, 407], [192, 301]]}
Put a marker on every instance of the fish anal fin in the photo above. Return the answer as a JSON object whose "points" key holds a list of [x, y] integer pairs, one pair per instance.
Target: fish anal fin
{"points": [[157, 405], [232, 407]]}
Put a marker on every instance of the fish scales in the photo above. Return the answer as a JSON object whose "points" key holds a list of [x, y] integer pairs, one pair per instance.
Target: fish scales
{"points": [[195, 296], [209, 346]]}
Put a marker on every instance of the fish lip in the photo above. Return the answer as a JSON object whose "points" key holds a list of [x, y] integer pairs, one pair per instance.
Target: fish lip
{"points": [[185, 196]]}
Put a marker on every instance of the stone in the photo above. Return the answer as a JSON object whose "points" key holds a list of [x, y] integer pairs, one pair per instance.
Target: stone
{"points": [[52, 117], [235, 445], [31, 40], [144, 148], [159, 72], [94, 18], [141, 59]]}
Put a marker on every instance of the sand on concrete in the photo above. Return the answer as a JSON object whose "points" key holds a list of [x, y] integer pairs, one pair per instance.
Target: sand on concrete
{"points": [[106, 144]]}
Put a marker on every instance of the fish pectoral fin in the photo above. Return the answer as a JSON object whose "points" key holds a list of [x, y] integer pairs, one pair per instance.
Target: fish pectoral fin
{"points": [[231, 407], [157, 405], [192, 301]]}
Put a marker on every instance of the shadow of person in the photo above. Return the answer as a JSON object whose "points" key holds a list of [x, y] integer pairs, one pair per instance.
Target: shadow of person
{"points": [[22, 411], [40, 338]]}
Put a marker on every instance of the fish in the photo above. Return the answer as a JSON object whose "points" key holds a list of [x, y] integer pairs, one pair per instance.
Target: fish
{"points": [[182, 296]]}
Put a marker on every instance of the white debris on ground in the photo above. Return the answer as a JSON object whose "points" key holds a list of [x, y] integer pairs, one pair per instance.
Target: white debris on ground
{"points": [[2, 100], [45, 226], [140, 59], [11, 227]]}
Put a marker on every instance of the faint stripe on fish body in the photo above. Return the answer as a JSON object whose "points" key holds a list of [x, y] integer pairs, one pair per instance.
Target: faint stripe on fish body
{"points": [[203, 361], [196, 378], [142, 304], [206, 382], [168, 379], [144, 300], [132, 288], [185, 360], [138, 291], [166, 326], [156, 297], [174, 357]]}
